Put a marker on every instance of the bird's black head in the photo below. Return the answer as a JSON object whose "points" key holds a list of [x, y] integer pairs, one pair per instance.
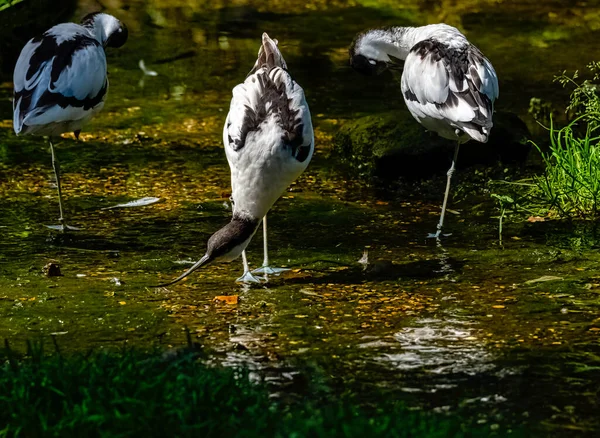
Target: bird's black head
{"points": [[366, 66], [366, 58], [108, 30], [118, 37], [228, 243], [225, 245]]}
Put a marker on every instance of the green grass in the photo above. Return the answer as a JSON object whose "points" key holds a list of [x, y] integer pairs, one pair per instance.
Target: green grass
{"points": [[136, 394], [5, 4], [571, 181], [569, 186]]}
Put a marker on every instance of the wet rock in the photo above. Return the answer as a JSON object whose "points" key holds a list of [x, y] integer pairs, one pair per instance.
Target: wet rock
{"points": [[393, 144], [52, 269]]}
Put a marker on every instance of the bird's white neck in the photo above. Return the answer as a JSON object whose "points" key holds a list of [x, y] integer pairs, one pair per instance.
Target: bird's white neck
{"points": [[398, 41]]}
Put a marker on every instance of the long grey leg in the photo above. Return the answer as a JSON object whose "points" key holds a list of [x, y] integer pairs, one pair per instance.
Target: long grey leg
{"points": [[56, 168], [247, 276], [265, 268], [62, 226], [265, 246], [449, 174]]}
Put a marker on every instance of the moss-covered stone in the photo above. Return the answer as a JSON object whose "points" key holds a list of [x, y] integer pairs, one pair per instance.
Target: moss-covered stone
{"points": [[392, 144]]}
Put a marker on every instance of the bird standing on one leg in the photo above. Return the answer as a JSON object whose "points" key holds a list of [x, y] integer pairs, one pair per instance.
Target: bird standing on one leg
{"points": [[265, 267], [269, 141], [60, 81], [448, 85]]}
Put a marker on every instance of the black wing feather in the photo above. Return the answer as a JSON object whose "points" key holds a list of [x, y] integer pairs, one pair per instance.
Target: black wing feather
{"points": [[460, 64], [274, 100]]}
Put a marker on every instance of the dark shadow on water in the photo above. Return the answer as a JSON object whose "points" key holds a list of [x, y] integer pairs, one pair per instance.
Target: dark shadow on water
{"points": [[565, 234], [381, 270]]}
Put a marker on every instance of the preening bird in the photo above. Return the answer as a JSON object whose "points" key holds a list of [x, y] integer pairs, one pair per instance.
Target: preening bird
{"points": [[60, 81], [269, 141], [448, 85]]}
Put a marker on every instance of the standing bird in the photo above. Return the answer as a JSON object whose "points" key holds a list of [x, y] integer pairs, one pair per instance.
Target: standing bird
{"points": [[60, 81], [449, 86], [269, 141]]}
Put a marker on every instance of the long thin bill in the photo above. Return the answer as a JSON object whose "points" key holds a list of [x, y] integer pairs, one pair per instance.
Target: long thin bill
{"points": [[203, 261]]}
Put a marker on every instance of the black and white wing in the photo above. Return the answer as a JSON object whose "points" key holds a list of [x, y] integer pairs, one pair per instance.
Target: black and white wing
{"points": [[59, 77], [269, 102], [450, 84], [265, 96]]}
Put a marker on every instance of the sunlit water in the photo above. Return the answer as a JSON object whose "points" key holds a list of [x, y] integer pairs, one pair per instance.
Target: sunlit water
{"points": [[444, 327], [439, 347]]}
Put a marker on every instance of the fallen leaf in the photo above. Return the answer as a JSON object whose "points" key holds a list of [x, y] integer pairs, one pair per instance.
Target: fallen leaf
{"points": [[498, 307], [535, 219], [544, 278], [227, 299], [122, 303], [148, 200]]}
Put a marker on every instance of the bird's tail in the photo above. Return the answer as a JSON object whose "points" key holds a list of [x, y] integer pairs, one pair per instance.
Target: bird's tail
{"points": [[478, 133], [269, 55]]}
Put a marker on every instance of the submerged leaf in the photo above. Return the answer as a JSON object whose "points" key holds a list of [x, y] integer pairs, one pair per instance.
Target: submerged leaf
{"points": [[142, 202], [544, 278], [146, 70]]}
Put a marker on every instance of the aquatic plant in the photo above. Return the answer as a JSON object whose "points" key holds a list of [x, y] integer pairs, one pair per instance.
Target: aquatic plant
{"points": [[569, 186], [584, 100]]}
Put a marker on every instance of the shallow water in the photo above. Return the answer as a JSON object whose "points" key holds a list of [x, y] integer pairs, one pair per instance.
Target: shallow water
{"points": [[461, 324]]}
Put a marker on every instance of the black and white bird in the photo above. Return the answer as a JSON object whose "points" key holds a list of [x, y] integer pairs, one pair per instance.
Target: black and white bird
{"points": [[269, 141], [60, 81], [449, 86]]}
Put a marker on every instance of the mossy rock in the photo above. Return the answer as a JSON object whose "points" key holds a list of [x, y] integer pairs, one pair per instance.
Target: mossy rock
{"points": [[392, 144]]}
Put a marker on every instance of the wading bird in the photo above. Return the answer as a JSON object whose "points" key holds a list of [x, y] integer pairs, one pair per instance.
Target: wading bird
{"points": [[449, 86], [269, 141], [60, 81]]}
